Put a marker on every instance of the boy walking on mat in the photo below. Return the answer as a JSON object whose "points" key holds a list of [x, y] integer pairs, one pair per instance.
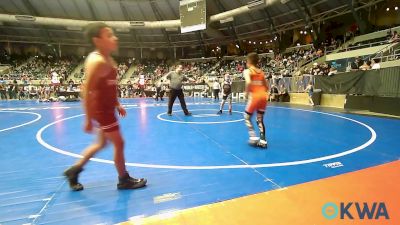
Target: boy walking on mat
{"points": [[100, 103]]}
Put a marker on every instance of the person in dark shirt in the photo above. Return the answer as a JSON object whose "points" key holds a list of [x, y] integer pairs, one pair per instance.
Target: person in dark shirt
{"points": [[176, 78]]}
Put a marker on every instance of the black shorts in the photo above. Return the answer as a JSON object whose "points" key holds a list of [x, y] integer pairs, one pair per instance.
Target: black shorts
{"points": [[228, 96]]}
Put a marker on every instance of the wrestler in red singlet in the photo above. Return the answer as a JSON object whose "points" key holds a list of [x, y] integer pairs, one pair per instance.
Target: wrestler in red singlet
{"points": [[100, 104]]}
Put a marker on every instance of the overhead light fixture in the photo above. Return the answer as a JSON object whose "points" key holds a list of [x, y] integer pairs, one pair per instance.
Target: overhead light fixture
{"points": [[249, 42], [305, 32], [298, 44], [256, 4], [136, 23], [260, 43], [254, 42], [227, 20], [122, 30], [74, 28], [171, 29], [396, 8], [237, 46], [387, 9], [25, 18], [312, 31], [301, 32], [270, 41]]}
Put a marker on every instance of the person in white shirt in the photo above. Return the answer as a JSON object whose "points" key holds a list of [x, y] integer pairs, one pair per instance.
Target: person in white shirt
{"points": [[216, 89], [376, 65]]}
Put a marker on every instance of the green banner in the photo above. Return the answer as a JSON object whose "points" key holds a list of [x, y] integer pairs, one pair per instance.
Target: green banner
{"points": [[383, 82]]}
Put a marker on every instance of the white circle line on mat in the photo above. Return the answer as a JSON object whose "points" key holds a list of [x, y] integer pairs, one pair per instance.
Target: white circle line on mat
{"points": [[195, 167], [159, 116], [38, 117]]}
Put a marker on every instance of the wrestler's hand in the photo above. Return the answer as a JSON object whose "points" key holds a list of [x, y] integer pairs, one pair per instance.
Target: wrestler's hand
{"points": [[88, 126], [121, 111]]}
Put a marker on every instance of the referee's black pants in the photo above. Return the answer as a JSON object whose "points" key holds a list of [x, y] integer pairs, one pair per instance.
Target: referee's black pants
{"points": [[173, 93]]}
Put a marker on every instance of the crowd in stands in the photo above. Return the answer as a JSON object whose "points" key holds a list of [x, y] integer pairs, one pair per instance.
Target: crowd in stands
{"points": [[148, 73], [41, 67], [360, 64], [41, 92]]}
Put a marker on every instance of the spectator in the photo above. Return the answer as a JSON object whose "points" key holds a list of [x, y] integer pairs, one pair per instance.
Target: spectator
{"points": [[395, 38], [274, 93], [3, 91], [332, 71], [283, 94], [315, 69], [216, 89], [33, 92], [376, 64], [366, 66], [310, 90], [358, 62]]}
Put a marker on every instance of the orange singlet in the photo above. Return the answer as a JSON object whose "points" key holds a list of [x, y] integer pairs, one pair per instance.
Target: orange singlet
{"points": [[257, 91]]}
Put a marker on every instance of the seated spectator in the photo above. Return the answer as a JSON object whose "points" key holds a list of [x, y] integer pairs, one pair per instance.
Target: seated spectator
{"points": [[358, 62], [274, 93], [366, 66], [33, 92], [315, 69], [332, 71], [376, 64], [395, 38], [283, 94]]}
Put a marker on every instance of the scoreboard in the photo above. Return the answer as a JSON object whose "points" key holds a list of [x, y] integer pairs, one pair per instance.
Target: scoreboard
{"points": [[193, 15]]}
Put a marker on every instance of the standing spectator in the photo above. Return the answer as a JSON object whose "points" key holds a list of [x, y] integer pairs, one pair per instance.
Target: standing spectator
{"points": [[159, 86], [3, 92], [12, 90], [142, 84], [130, 89], [310, 90], [216, 89]]}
